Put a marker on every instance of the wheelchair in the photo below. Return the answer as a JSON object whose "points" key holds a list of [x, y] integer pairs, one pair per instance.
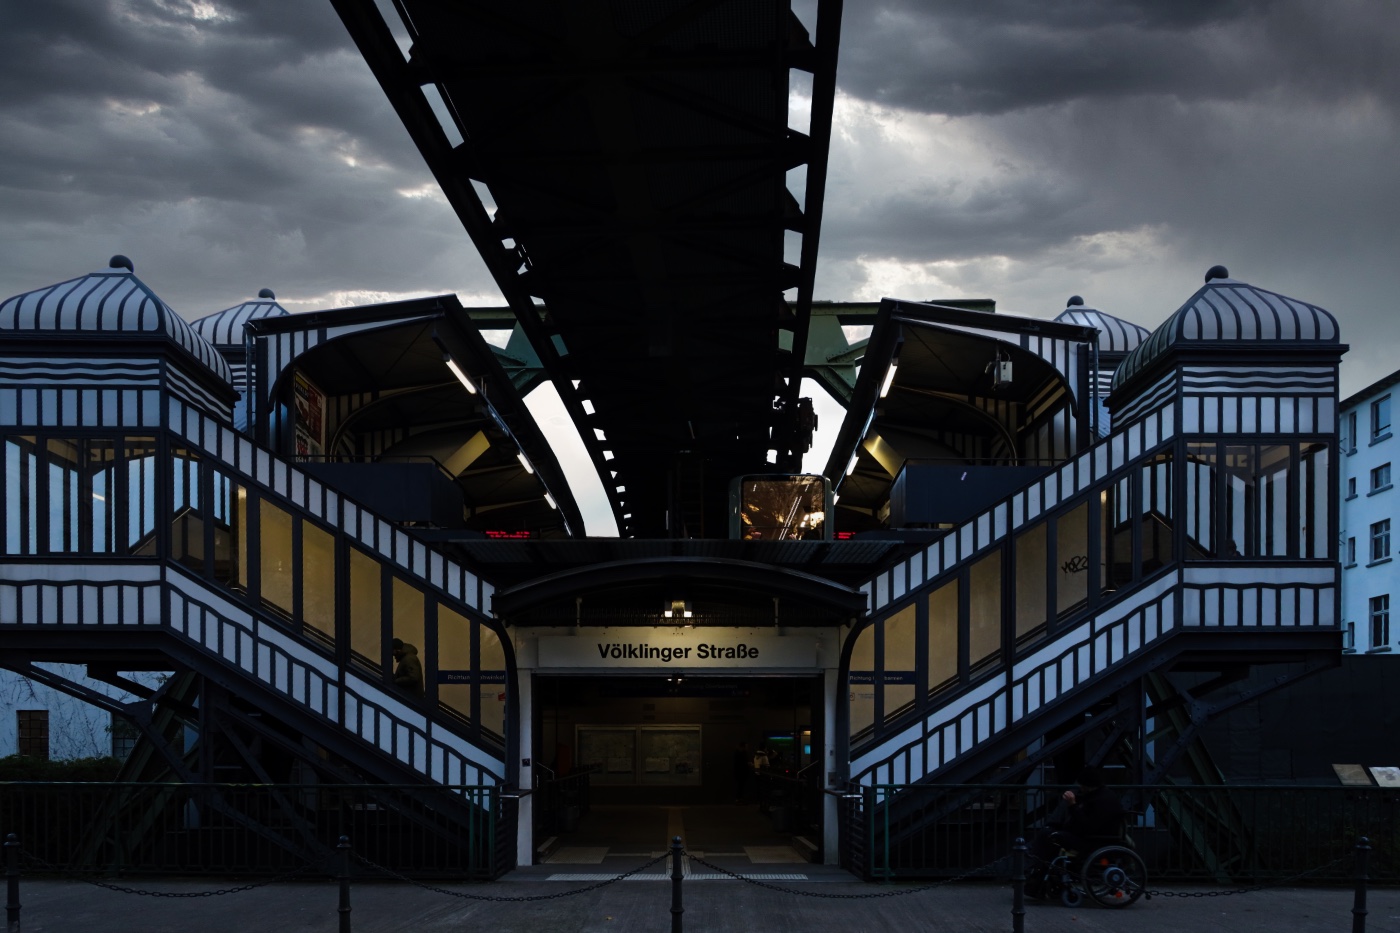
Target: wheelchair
{"points": [[1112, 874]]}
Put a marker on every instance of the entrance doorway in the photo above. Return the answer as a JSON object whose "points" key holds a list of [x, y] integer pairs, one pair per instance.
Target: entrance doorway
{"points": [[631, 761]]}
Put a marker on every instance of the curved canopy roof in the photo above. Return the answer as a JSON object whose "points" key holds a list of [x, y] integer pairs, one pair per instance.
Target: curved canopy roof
{"points": [[1226, 310], [113, 303], [720, 590]]}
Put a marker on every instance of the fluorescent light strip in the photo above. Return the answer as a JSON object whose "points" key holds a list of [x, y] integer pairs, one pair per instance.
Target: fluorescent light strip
{"points": [[525, 463], [889, 380], [461, 376]]}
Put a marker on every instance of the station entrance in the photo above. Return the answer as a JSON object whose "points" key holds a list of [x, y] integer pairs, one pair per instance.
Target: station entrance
{"points": [[626, 762]]}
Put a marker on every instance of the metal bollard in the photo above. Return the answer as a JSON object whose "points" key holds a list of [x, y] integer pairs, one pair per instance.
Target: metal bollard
{"points": [[1018, 885], [12, 883], [677, 853], [344, 910], [1358, 906]]}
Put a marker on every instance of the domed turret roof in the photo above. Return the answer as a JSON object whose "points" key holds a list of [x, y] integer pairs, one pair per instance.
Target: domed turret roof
{"points": [[1115, 334], [225, 328], [113, 303], [1228, 311]]}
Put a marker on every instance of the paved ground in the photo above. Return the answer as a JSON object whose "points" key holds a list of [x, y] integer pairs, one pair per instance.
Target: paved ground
{"points": [[711, 906]]}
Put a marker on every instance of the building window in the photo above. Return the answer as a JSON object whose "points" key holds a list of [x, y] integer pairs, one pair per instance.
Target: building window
{"points": [[1349, 637], [1380, 621], [1351, 487], [124, 736], [1380, 477], [1351, 551], [1349, 433], [1380, 540], [34, 732], [1380, 418]]}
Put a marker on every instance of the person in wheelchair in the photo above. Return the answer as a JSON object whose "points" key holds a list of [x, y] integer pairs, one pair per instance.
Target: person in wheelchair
{"points": [[1089, 816]]}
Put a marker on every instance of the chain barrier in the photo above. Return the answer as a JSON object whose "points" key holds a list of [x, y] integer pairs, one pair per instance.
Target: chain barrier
{"points": [[509, 898], [1149, 894], [122, 889], [901, 892]]}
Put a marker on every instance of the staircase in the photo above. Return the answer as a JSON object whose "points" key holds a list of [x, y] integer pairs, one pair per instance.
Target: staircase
{"points": [[194, 505], [1206, 610]]}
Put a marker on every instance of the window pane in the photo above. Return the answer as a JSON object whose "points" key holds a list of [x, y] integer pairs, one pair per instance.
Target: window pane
{"points": [[898, 674], [230, 510], [64, 474], [318, 580], [186, 519], [1157, 516], [1072, 555], [141, 495], [1200, 501], [409, 606], [101, 495], [943, 636], [21, 495], [1241, 498], [1313, 526], [491, 710], [1032, 589], [275, 557], [1274, 465], [862, 682], [456, 680], [365, 608], [1118, 535], [984, 609]]}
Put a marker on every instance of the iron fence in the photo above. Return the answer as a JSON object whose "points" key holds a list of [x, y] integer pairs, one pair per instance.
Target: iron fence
{"points": [[1184, 833], [461, 833]]}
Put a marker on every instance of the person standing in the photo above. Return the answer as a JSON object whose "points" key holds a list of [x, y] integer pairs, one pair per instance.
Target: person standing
{"points": [[408, 673]]}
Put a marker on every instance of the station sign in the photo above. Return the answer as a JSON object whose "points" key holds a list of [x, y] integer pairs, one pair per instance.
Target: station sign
{"points": [[677, 651]]}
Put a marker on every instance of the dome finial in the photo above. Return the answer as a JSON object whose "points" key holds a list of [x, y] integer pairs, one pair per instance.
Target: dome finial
{"points": [[121, 262], [267, 293], [1217, 272], [1074, 302]]}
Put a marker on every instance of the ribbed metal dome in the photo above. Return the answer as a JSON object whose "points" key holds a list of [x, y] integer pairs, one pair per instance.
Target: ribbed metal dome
{"points": [[225, 328], [113, 303], [1115, 334], [1227, 310]]}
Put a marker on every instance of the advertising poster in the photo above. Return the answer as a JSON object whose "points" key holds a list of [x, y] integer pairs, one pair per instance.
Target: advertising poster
{"points": [[310, 404]]}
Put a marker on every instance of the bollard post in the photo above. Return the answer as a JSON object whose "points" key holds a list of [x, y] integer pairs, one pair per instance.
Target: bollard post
{"points": [[1018, 885], [677, 853], [12, 883], [344, 851], [1358, 906]]}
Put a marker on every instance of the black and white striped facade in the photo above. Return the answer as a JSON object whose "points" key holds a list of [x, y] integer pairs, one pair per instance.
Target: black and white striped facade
{"points": [[227, 331], [1117, 338], [102, 350], [102, 356], [1174, 394], [1236, 368]]}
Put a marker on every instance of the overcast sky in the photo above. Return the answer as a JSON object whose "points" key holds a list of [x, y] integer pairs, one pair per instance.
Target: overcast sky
{"points": [[1019, 150]]}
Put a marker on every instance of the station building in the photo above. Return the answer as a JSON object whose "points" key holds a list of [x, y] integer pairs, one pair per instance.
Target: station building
{"points": [[1030, 537]]}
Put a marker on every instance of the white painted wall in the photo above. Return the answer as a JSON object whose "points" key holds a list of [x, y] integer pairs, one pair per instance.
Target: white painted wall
{"points": [[1366, 578], [76, 729]]}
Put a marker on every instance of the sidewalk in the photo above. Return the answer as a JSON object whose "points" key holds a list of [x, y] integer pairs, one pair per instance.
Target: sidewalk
{"points": [[643, 906]]}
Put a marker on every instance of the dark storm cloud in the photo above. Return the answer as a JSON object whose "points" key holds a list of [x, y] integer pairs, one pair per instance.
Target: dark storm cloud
{"points": [[1100, 143], [966, 57], [223, 145]]}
